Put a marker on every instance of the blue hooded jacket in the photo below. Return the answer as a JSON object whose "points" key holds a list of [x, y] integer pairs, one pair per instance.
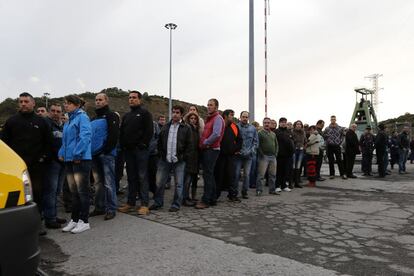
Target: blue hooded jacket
{"points": [[76, 140]]}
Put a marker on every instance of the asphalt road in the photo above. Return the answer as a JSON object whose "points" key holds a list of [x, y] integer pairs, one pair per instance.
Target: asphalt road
{"points": [[362, 226]]}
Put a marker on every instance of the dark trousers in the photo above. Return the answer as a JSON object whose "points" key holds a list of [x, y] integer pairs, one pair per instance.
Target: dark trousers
{"points": [[380, 162], [319, 161], [191, 180], [55, 175], [137, 173], [366, 162], [283, 165], [350, 161], [78, 176], [209, 158], [394, 158], [152, 173], [37, 171], [334, 155], [224, 175]]}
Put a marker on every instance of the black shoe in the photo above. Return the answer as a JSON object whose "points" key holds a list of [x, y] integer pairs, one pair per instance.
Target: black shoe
{"points": [[344, 177], [173, 209], [52, 225], [109, 216], [95, 213], [274, 193], [320, 179], [234, 199], [154, 207], [60, 220], [352, 176], [188, 203], [298, 186], [245, 195]]}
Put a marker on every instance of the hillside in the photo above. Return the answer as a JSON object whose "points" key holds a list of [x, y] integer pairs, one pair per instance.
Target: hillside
{"points": [[398, 123], [157, 105]]}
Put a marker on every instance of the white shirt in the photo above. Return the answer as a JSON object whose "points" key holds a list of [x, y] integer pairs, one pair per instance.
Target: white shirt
{"points": [[172, 143]]}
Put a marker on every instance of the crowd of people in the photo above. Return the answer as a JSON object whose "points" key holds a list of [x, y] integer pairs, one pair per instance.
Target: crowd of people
{"points": [[67, 151]]}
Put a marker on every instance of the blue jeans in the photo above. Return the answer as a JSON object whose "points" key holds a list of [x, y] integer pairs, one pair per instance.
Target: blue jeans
{"points": [[78, 176], [54, 177], [137, 175], [297, 158], [266, 163], [403, 159], [103, 170], [163, 172], [246, 163], [253, 172], [209, 158]]}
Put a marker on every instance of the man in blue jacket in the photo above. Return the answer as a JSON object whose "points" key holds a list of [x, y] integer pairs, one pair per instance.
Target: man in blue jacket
{"points": [[250, 139], [105, 130]]}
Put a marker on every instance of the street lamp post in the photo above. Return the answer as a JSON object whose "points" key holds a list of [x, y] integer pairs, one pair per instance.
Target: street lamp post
{"points": [[171, 27]]}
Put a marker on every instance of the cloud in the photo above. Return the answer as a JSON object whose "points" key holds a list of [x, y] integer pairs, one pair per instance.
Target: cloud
{"points": [[34, 79], [80, 83]]}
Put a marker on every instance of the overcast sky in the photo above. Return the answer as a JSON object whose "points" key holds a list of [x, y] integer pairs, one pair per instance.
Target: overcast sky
{"points": [[319, 51]]}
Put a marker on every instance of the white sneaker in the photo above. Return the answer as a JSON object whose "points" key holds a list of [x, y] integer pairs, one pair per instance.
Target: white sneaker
{"points": [[69, 226], [81, 227], [287, 189], [278, 190]]}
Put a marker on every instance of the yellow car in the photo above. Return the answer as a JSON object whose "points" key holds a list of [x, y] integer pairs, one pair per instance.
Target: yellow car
{"points": [[19, 217]]}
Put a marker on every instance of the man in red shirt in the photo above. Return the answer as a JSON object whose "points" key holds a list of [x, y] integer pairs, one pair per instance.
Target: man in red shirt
{"points": [[210, 146]]}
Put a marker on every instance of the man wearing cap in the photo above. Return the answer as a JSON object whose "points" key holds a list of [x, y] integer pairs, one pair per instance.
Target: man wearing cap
{"points": [[366, 143]]}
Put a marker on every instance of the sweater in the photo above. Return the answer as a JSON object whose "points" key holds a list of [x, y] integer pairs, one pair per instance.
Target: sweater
{"points": [[268, 144]]}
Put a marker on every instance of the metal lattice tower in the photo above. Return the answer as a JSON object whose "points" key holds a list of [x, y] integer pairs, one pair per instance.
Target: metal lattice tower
{"points": [[375, 102]]}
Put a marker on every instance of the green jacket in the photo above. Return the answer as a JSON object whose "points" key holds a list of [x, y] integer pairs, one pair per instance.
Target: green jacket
{"points": [[268, 143]]}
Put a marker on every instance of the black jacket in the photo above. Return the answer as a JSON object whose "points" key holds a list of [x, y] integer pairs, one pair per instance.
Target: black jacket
{"points": [[381, 141], [192, 164], [352, 143], [367, 142], [232, 141], [136, 129], [184, 142], [112, 121], [30, 136], [403, 141], [57, 133], [285, 141]]}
